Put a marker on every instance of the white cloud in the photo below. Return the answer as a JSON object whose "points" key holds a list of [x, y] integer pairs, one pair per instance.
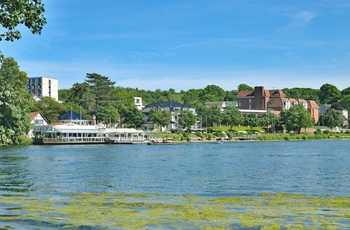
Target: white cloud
{"points": [[303, 17]]}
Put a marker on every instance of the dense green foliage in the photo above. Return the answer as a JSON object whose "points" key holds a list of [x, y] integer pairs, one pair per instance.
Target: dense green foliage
{"points": [[186, 119], [296, 118], [161, 117], [243, 87], [304, 93], [332, 118], [98, 96], [49, 108], [15, 103], [329, 94], [232, 116], [14, 13]]}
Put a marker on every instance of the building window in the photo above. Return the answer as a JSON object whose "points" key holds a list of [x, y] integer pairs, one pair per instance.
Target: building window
{"points": [[305, 105], [286, 104]]}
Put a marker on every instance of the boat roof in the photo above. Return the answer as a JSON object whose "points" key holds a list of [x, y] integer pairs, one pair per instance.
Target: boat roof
{"points": [[122, 130]]}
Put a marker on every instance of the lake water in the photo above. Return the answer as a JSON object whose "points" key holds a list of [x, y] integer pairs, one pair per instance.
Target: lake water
{"points": [[314, 168]]}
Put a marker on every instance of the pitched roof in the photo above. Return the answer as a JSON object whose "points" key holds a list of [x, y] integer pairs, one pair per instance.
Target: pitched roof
{"points": [[167, 104], [274, 93], [313, 104], [70, 116], [246, 93], [33, 115], [220, 103]]}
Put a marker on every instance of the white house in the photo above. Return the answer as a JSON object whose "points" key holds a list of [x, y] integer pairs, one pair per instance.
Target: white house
{"points": [[222, 105], [37, 120], [174, 108]]}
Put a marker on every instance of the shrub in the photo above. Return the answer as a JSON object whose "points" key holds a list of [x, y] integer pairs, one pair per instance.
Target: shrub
{"points": [[318, 131], [199, 134], [22, 140], [210, 136]]}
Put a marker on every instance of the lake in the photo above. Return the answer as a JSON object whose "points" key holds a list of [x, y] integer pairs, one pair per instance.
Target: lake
{"points": [[37, 181]]}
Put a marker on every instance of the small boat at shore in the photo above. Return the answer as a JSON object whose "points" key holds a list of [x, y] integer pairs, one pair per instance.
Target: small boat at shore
{"points": [[165, 141], [247, 138], [219, 141]]}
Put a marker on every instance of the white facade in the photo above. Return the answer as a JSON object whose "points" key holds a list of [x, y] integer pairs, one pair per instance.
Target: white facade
{"points": [[43, 87], [37, 120], [175, 109], [138, 102]]}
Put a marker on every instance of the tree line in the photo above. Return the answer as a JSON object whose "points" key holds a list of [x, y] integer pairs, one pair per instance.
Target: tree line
{"points": [[98, 96]]}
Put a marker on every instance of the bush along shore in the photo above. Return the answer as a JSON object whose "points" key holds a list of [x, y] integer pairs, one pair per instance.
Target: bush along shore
{"points": [[250, 135]]}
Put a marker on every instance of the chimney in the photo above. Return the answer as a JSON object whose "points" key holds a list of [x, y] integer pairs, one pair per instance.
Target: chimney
{"points": [[259, 100]]}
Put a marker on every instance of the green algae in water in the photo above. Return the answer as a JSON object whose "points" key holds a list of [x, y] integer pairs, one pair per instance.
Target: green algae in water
{"points": [[146, 211]]}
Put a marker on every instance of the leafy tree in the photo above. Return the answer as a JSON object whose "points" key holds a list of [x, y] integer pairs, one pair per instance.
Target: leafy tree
{"points": [[49, 108], [211, 115], [132, 116], [231, 95], [243, 87], [346, 91], [172, 95], [345, 102], [107, 114], [123, 96], [212, 93], [161, 118], [191, 97], [232, 116], [332, 118], [15, 103], [305, 93], [186, 119], [251, 120], [64, 94], [14, 13], [329, 94], [269, 119], [296, 118], [159, 96]]}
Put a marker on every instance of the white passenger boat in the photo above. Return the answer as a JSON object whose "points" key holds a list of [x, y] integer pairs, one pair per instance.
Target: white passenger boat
{"points": [[69, 133]]}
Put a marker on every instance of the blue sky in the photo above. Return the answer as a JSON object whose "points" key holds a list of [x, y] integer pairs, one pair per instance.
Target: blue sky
{"points": [[182, 44]]}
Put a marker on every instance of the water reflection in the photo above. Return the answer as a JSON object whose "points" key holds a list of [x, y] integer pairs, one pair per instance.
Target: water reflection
{"points": [[14, 171], [36, 181], [310, 167]]}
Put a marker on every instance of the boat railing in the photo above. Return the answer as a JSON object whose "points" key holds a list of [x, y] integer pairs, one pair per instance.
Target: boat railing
{"points": [[127, 139], [73, 139]]}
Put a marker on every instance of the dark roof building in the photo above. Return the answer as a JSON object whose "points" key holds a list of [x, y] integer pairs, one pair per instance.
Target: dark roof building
{"points": [[170, 106], [70, 116]]}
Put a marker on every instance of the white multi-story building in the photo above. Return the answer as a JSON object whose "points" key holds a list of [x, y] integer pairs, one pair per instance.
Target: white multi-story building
{"points": [[43, 87], [138, 103]]}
